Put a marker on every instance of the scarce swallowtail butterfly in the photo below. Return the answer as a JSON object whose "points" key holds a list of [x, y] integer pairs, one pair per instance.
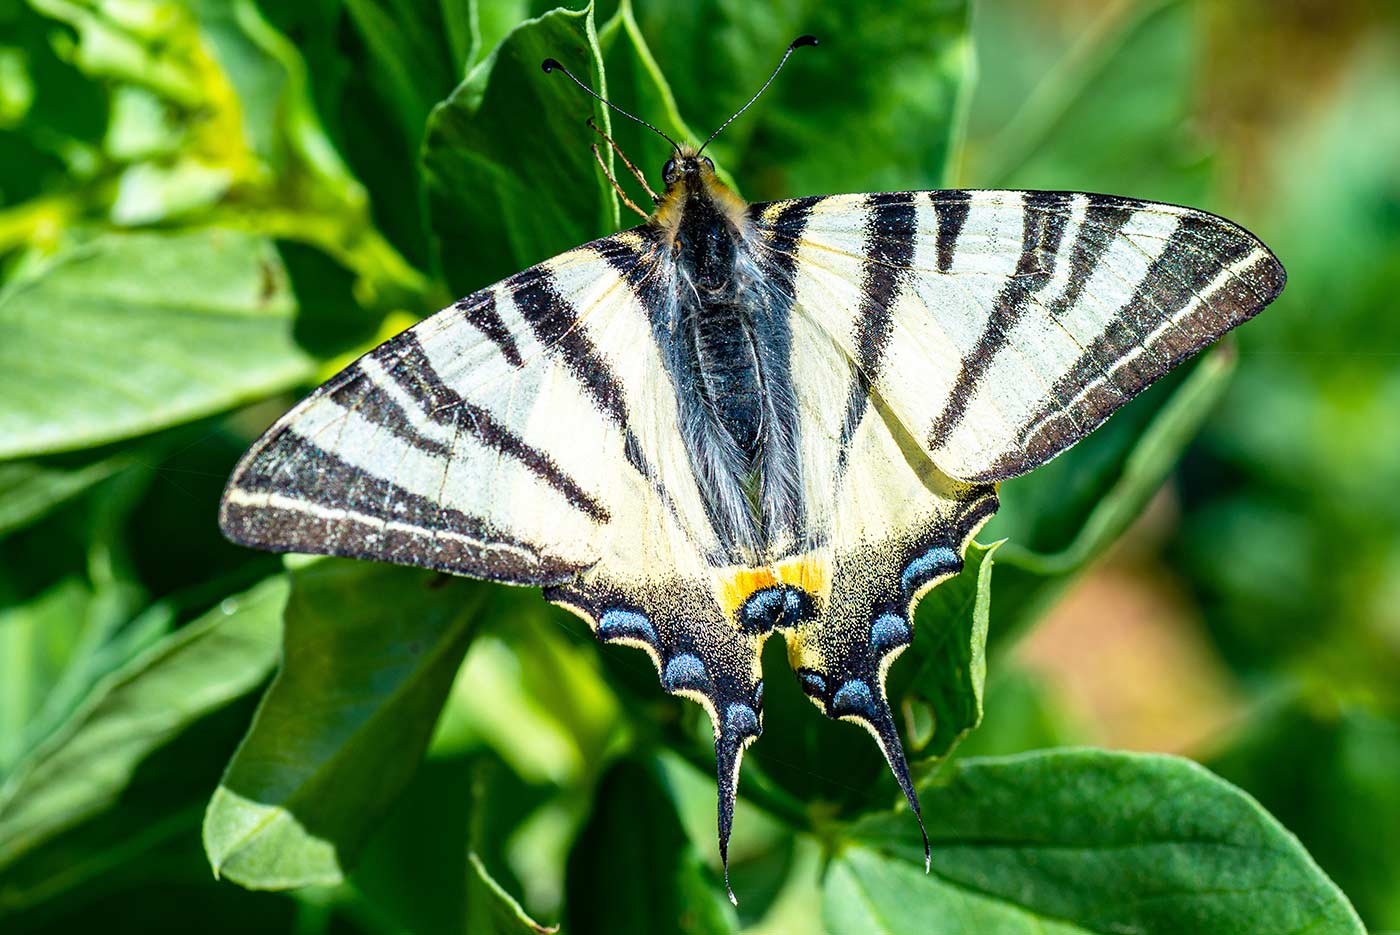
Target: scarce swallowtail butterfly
{"points": [[735, 420]]}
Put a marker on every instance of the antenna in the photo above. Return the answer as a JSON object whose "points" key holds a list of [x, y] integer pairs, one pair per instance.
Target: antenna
{"points": [[794, 45], [550, 65]]}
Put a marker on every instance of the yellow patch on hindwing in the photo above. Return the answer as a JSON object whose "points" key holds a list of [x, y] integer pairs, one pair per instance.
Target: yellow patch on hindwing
{"points": [[734, 586]]}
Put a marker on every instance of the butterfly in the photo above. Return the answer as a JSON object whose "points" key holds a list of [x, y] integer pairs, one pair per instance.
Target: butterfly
{"points": [[735, 420]]}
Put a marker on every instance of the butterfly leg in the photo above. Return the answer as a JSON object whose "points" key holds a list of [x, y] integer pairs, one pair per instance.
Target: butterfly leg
{"points": [[616, 187], [636, 173]]}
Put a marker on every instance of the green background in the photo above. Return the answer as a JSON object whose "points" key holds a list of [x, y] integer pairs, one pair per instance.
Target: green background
{"points": [[207, 207]]}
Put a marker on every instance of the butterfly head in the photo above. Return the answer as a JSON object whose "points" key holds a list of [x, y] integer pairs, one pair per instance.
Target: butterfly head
{"points": [[687, 165], [692, 185]]}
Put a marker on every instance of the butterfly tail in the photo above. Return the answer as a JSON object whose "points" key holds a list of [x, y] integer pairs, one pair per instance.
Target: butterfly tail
{"points": [[739, 726]]}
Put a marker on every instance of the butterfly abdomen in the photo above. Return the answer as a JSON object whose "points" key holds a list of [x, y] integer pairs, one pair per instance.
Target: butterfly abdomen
{"points": [[725, 336]]}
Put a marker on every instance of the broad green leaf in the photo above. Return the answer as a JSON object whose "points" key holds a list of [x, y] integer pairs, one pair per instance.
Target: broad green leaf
{"points": [[1081, 841], [136, 332], [368, 656], [879, 105], [1338, 796], [632, 868], [83, 768], [509, 177]]}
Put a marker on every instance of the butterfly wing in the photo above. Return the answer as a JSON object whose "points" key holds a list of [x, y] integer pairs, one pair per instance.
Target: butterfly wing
{"points": [[1000, 326], [950, 340], [514, 436]]}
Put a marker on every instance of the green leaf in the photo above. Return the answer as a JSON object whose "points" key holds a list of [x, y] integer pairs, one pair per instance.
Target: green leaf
{"points": [[83, 767], [502, 195], [368, 657], [879, 105], [1338, 797], [136, 332], [946, 669], [1082, 841], [633, 869]]}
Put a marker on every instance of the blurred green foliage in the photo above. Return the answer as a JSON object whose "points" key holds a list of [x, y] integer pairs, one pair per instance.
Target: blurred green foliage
{"points": [[206, 206]]}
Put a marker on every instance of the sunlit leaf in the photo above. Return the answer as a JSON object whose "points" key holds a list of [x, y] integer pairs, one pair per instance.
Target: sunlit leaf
{"points": [[133, 333], [83, 767], [1082, 841], [369, 654]]}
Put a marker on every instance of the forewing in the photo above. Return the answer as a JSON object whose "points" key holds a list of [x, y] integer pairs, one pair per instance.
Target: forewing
{"points": [[514, 436], [1000, 327]]}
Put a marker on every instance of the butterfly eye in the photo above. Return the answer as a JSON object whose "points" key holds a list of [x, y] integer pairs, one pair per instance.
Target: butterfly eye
{"points": [[708, 164], [668, 171]]}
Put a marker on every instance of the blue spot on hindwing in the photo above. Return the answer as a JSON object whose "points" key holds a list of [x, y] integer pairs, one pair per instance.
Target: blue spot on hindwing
{"points": [[740, 721], [626, 624], [854, 697], [684, 671], [935, 563], [812, 683], [887, 632], [778, 605]]}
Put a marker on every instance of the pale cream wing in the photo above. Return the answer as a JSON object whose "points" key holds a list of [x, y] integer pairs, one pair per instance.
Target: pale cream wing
{"points": [[1001, 327]]}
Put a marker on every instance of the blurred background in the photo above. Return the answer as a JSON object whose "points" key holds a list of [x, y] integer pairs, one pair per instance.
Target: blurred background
{"points": [[207, 207]]}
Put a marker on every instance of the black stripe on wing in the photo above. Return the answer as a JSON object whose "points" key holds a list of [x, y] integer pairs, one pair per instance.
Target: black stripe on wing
{"points": [[479, 310], [415, 373], [294, 496], [1045, 217], [1127, 356], [891, 229], [556, 325]]}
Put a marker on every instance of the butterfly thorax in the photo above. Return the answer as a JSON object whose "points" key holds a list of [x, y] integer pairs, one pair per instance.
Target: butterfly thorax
{"points": [[724, 334]]}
